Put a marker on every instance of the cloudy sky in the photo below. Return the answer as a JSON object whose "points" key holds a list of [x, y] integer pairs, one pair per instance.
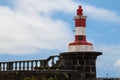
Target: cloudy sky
{"points": [[36, 29]]}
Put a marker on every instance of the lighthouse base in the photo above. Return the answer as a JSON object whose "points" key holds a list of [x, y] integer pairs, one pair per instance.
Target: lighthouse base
{"points": [[84, 63]]}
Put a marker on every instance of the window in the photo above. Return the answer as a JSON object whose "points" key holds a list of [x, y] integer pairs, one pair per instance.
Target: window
{"points": [[80, 37]]}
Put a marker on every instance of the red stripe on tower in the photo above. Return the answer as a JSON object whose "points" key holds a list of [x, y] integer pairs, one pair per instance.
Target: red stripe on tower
{"points": [[80, 43], [80, 22], [80, 37]]}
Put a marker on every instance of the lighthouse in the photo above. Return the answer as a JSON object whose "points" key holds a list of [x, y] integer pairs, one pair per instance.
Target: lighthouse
{"points": [[80, 43], [80, 56]]}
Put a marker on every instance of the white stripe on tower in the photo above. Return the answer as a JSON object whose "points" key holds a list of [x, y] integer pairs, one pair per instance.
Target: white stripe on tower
{"points": [[77, 48], [80, 31]]}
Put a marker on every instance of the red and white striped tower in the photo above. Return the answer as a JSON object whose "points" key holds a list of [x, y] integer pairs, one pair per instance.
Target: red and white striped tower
{"points": [[80, 43]]}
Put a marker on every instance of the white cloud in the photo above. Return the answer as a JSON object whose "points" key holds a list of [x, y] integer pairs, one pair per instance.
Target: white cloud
{"points": [[24, 30], [114, 49], [101, 14], [46, 6], [104, 65], [109, 57], [117, 64], [69, 6]]}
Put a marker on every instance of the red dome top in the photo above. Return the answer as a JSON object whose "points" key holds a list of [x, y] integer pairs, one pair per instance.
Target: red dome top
{"points": [[79, 10]]}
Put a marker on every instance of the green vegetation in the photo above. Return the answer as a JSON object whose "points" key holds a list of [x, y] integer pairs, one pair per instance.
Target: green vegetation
{"points": [[28, 78], [66, 75], [33, 78], [43, 77], [50, 78]]}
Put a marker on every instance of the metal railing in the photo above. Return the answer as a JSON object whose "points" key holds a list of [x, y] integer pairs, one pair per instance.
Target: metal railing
{"points": [[27, 64]]}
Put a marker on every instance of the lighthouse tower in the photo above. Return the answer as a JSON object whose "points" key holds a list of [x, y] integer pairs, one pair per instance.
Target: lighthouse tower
{"points": [[80, 43]]}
